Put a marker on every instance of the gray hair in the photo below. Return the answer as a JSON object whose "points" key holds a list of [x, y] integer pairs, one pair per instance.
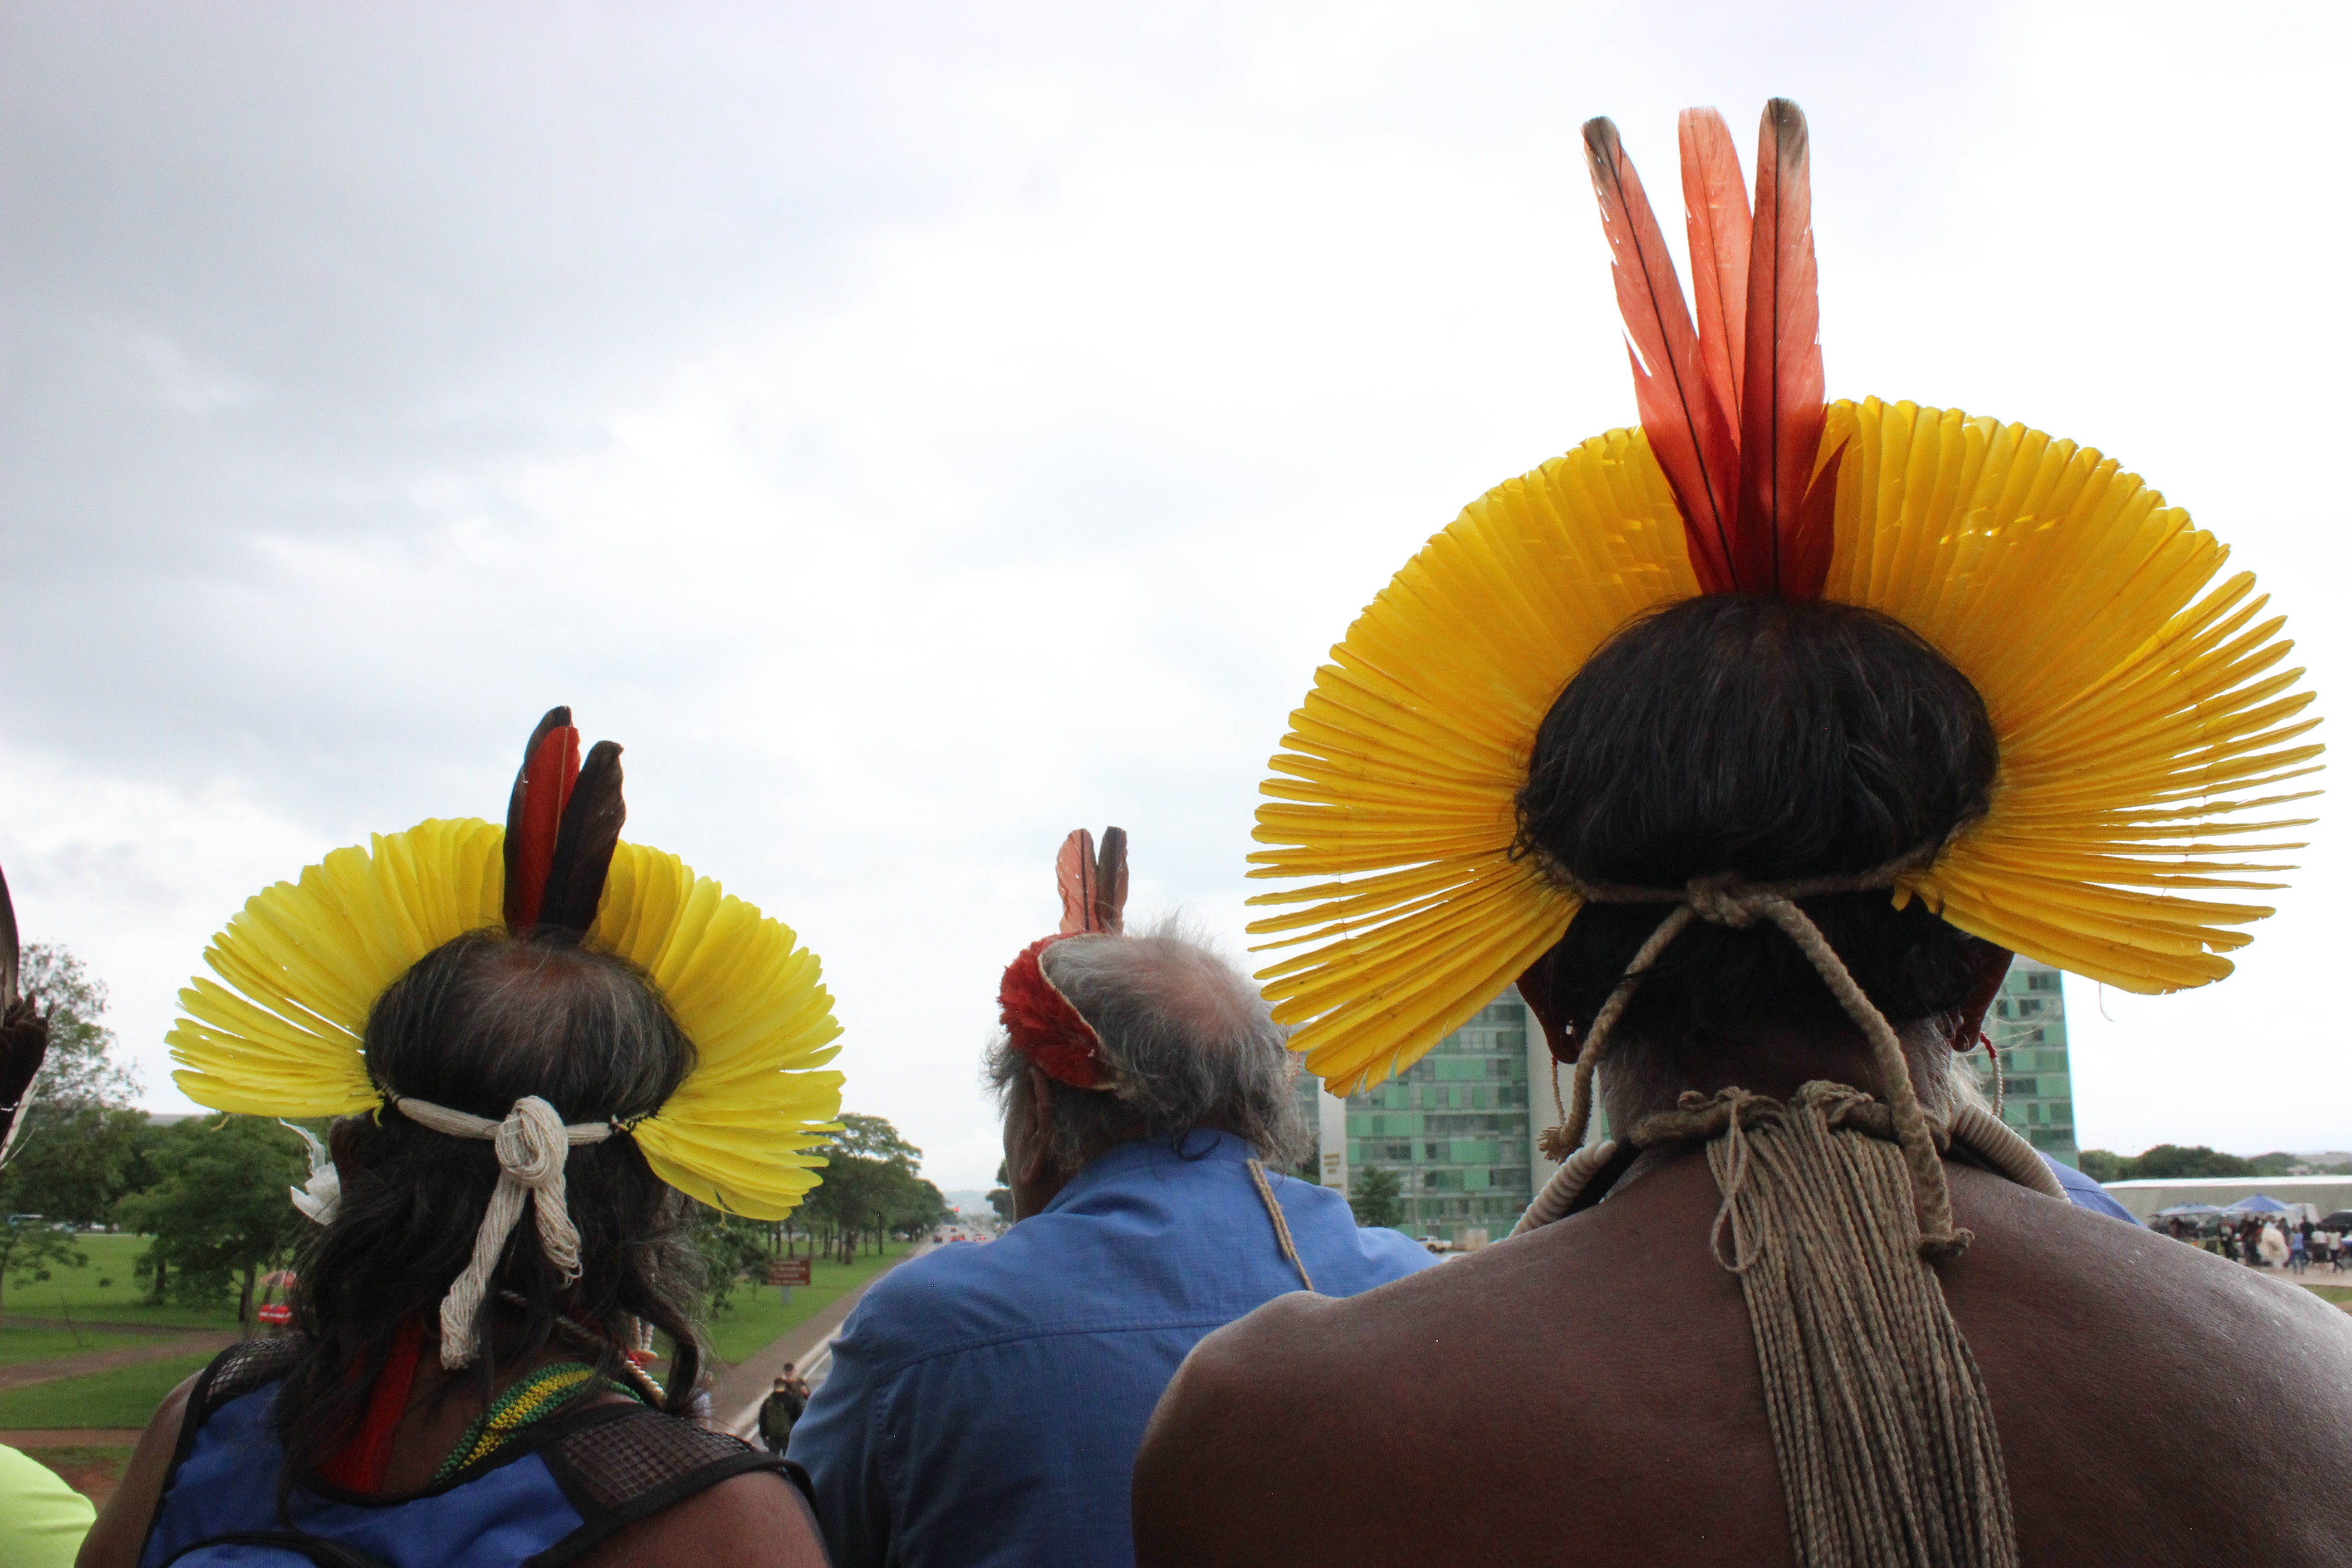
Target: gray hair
{"points": [[1189, 1041]]}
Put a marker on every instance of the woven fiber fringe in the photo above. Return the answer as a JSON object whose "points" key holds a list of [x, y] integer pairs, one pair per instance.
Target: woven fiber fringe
{"points": [[1879, 1421]]}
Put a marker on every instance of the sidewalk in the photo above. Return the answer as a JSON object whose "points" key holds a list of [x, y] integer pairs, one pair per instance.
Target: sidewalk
{"points": [[735, 1399]]}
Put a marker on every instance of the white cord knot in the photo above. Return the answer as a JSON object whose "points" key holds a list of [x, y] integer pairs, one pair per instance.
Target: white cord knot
{"points": [[532, 1144], [1720, 900]]}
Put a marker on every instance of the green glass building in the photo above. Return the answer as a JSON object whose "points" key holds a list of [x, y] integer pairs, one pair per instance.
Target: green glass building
{"points": [[2028, 1025], [1454, 1128]]}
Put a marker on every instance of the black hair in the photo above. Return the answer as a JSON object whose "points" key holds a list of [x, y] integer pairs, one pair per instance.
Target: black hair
{"points": [[474, 1024], [1776, 740]]}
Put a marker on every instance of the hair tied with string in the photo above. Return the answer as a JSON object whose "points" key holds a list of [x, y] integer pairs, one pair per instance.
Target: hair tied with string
{"points": [[532, 1144]]}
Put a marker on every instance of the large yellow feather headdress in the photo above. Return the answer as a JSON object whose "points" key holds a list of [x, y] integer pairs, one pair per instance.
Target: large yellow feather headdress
{"points": [[277, 1034], [2138, 705]]}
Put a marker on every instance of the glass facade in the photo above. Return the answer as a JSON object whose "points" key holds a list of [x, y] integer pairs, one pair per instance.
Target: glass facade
{"points": [[2028, 1025], [1454, 1128]]}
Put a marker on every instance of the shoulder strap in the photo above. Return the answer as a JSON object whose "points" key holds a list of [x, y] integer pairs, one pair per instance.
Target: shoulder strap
{"points": [[234, 1373], [635, 1462]]}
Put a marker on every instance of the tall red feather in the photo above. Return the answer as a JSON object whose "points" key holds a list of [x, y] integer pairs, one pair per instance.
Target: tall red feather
{"points": [[1691, 433], [548, 778], [1714, 211], [1786, 550], [1074, 872]]}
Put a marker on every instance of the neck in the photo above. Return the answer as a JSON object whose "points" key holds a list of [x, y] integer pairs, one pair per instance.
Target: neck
{"points": [[1639, 1079]]}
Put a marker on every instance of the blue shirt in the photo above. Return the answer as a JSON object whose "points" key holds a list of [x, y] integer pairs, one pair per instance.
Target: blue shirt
{"points": [[2085, 1194], [985, 1403]]}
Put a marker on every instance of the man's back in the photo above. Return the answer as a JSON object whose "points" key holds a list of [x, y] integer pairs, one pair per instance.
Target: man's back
{"points": [[985, 1404], [1589, 1393]]}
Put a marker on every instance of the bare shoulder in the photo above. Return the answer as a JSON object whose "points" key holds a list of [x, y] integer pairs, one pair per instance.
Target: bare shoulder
{"points": [[116, 1539], [756, 1521]]}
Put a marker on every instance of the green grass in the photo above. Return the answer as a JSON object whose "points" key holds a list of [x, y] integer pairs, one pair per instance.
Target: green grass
{"points": [[89, 1470], [124, 1397], [18, 1346], [756, 1316], [77, 1293], [2339, 1294]]}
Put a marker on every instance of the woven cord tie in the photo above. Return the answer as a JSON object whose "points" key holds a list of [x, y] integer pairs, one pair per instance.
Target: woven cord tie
{"points": [[1726, 900], [532, 1144]]}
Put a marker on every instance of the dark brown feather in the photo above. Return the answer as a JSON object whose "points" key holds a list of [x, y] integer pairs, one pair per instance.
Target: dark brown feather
{"points": [[1110, 883], [585, 842]]}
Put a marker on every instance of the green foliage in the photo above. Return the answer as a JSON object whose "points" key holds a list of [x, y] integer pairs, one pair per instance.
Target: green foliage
{"points": [[731, 1247], [74, 1163], [1378, 1201], [218, 1211], [2276, 1163], [2169, 1161], [79, 1068], [76, 1146], [872, 1189]]}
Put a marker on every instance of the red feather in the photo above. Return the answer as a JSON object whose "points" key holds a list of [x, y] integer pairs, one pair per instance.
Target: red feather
{"points": [[1691, 434], [1074, 872], [1784, 548], [1715, 210], [548, 778]]}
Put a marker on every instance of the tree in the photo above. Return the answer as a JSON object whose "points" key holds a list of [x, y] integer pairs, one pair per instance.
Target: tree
{"points": [[218, 1212], [1378, 1201], [76, 1145], [2100, 1164], [872, 1187], [732, 1245], [79, 1070], [2166, 1160]]}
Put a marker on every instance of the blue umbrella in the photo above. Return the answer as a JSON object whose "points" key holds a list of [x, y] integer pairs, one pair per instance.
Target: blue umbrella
{"points": [[2258, 1204]]}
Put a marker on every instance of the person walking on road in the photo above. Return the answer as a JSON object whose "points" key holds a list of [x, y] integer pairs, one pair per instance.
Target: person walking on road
{"points": [[781, 1408]]}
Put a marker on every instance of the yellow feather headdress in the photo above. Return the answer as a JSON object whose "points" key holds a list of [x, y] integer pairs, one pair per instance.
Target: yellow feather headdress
{"points": [[2139, 706], [277, 1034]]}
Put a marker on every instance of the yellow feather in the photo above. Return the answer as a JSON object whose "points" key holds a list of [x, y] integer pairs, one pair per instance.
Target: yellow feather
{"points": [[2130, 692]]}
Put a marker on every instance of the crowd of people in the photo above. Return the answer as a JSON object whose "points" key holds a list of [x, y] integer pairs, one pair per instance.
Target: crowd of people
{"points": [[2266, 1241], [1751, 745]]}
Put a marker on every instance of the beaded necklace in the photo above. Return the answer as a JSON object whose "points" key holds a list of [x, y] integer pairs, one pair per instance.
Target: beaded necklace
{"points": [[528, 1400]]}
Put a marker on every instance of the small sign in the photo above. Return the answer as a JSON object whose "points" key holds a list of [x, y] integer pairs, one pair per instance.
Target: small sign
{"points": [[788, 1271]]}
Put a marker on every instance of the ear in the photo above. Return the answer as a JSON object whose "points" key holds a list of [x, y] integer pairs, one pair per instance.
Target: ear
{"points": [[1536, 991], [1992, 965], [343, 1147], [1037, 1155]]}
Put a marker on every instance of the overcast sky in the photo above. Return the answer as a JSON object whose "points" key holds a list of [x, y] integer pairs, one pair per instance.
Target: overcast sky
{"points": [[917, 431]]}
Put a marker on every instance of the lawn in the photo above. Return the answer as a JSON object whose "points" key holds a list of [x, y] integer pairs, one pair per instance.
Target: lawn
{"points": [[2339, 1294], [19, 1344], [106, 1291], [757, 1317], [93, 1472], [124, 1397]]}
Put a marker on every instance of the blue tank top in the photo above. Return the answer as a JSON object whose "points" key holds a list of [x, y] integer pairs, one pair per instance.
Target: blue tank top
{"points": [[559, 1486]]}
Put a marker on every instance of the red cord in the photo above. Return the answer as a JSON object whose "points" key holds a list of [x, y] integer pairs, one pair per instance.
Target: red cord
{"points": [[360, 1464]]}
